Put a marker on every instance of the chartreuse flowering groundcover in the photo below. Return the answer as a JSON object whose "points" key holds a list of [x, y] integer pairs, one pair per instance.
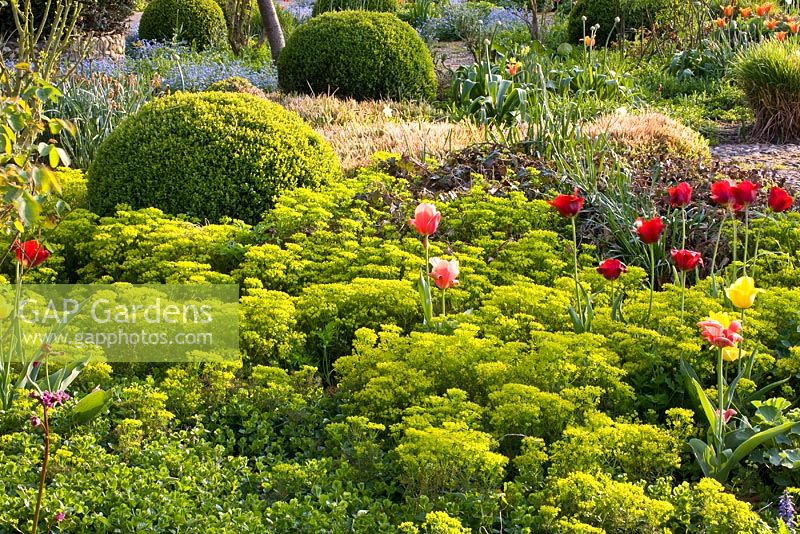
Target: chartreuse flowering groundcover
{"points": [[222, 311]]}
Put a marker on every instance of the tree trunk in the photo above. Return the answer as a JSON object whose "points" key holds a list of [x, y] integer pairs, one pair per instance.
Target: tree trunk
{"points": [[272, 27], [533, 27]]}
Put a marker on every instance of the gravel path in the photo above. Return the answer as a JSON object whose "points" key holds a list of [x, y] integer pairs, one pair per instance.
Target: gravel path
{"points": [[782, 160], [133, 23]]}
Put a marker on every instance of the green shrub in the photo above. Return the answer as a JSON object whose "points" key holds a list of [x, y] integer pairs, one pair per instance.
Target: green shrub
{"points": [[640, 452], [360, 54], [330, 314], [706, 507], [632, 14], [236, 84], [73, 187], [146, 247], [520, 409], [435, 523], [199, 22], [268, 328], [614, 506], [769, 75], [450, 458], [209, 155], [323, 6]]}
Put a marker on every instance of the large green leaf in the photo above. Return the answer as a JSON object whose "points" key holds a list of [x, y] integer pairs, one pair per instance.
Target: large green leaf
{"points": [[700, 396], [704, 454], [90, 406], [749, 446]]}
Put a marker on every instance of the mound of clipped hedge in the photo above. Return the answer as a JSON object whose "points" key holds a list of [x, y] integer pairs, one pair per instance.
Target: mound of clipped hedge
{"points": [[201, 22], [323, 6], [209, 155], [359, 54]]}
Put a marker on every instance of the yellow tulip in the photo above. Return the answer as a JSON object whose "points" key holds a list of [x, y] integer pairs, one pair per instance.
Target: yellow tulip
{"points": [[721, 317], [742, 292], [730, 354]]}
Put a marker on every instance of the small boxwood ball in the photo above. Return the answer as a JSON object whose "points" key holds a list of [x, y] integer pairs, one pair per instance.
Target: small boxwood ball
{"points": [[199, 22], [359, 54], [208, 155]]}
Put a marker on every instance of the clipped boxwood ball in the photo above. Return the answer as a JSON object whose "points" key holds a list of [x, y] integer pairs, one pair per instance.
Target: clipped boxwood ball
{"points": [[359, 54], [208, 155], [201, 22], [323, 6]]}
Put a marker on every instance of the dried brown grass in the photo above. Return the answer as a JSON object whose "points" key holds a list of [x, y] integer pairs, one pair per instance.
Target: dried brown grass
{"points": [[357, 130], [651, 134]]}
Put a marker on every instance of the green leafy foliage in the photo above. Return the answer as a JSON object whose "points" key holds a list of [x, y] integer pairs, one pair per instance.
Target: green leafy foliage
{"points": [[364, 55], [188, 135]]}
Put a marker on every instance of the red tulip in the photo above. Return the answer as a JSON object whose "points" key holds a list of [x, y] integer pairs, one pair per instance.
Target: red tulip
{"points": [[680, 195], [30, 253], [612, 268], [649, 230], [686, 260], [727, 414], [444, 273], [744, 194], [718, 335], [567, 205], [722, 192], [779, 200], [426, 219]]}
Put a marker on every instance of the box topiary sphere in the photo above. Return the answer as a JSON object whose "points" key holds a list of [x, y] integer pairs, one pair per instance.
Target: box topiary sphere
{"points": [[323, 6], [208, 155], [361, 54], [200, 22]]}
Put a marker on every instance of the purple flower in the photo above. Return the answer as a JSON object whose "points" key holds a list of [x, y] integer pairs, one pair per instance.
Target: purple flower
{"points": [[50, 399], [35, 421], [786, 509], [60, 517]]}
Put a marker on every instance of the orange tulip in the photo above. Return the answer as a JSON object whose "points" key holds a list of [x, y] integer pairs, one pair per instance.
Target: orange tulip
{"points": [[721, 23], [794, 26], [771, 24], [588, 41], [728, 10], [745, 12], [780, 35], [764, 9]]}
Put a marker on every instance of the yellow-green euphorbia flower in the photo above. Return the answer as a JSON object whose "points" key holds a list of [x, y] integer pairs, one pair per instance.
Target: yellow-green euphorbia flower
{"points": [[5, 309], [742, 292]]}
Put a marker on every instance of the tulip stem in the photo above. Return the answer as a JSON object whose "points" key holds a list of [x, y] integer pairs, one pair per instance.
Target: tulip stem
{"points": [[652, 278], [683, 232], [746, 239], [741, 344], [444, 310], [714, 257], [720, 411], [575, 258], [735, 246], [43, 475], [683, 294], [427, 255]]}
